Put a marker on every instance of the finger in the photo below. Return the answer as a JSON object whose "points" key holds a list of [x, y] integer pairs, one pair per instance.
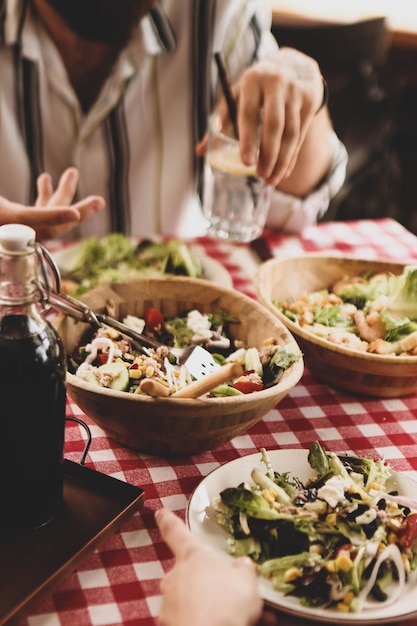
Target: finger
{"points": [[294, 158], [46, 216], [290, 141], [66, 188], [246, 568], [272, 136], [45, 189], [89, 206], [225, 125], [244, 562], [174, 532], [250, 103], [304, 109]]}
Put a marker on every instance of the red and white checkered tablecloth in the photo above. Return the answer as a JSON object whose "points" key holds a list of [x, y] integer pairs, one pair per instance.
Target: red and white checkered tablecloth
{"points": [[118, 583]]}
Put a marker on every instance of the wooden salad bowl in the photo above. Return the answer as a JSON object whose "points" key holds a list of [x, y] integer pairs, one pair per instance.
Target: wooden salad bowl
{"points": [[340, 367], [182, 426]]}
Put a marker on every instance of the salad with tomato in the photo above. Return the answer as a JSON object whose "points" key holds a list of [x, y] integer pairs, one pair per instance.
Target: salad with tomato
{"points": [[342, 540], [108, 358]]}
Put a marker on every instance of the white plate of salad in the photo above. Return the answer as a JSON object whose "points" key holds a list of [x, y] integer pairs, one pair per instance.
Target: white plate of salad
{"points": [[332, 532], [100, 260]]}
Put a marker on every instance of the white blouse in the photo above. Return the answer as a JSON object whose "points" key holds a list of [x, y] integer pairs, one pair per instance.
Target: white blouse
{"points": [[135, 146]]}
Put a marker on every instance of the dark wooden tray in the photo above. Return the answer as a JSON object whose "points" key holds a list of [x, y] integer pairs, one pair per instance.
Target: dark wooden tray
{"points": [[95, 505]]}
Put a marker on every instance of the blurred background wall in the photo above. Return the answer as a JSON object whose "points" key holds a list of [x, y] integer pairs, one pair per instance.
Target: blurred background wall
{"points": [[371, 69]]}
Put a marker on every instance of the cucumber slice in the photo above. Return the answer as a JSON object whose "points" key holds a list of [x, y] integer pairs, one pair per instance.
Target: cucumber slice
{"points": [[225, 390], [253, 361], [119, 374]]}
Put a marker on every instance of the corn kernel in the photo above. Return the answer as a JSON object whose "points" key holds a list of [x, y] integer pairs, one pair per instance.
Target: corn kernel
{"points": [[342, 607], [344, 562], [331, 566], [364, 495], [292, 573], [150, 371], [331, 519], [348, 598], [135, 374], [376, 486], [355, 489]]}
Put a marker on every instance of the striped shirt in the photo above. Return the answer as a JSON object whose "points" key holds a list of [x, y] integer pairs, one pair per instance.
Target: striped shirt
{"points": [[135, 146]]}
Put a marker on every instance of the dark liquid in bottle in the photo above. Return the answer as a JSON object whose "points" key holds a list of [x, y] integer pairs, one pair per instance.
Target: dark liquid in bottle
{"points": [[32, 421]]}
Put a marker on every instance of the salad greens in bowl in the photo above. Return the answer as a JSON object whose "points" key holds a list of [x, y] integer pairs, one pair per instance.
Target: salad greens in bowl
{"points": [[333, 536], [106, 378], [354, 319], [190, 346]]}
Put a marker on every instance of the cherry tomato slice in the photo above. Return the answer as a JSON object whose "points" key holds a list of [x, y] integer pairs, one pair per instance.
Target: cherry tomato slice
{"points": [[154, 319], [102, 357], [409, 531], [247, 386]]}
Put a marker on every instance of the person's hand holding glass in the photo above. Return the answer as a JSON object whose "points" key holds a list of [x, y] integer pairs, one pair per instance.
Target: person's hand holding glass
{"points": [[235, 201]]}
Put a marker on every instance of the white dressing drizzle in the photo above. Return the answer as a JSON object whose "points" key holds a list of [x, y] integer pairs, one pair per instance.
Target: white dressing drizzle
{"points": [[393, 553], [100, 343]]}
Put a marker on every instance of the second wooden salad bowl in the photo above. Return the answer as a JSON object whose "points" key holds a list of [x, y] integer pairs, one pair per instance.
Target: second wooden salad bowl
{"points": [[338, 366]]}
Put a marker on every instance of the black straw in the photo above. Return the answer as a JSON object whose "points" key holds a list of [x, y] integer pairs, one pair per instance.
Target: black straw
{"points": [[227, 89], [232, 109]]}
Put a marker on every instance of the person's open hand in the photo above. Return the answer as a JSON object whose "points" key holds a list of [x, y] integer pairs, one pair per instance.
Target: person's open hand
{"points": [[53, 214], [203, 587]]}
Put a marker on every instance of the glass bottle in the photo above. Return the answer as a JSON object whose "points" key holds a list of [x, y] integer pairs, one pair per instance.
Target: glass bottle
{"points": [[32, 391]]}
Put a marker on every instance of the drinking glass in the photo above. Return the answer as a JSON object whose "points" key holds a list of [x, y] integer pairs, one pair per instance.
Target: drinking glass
{"points": [[235, 200]]}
